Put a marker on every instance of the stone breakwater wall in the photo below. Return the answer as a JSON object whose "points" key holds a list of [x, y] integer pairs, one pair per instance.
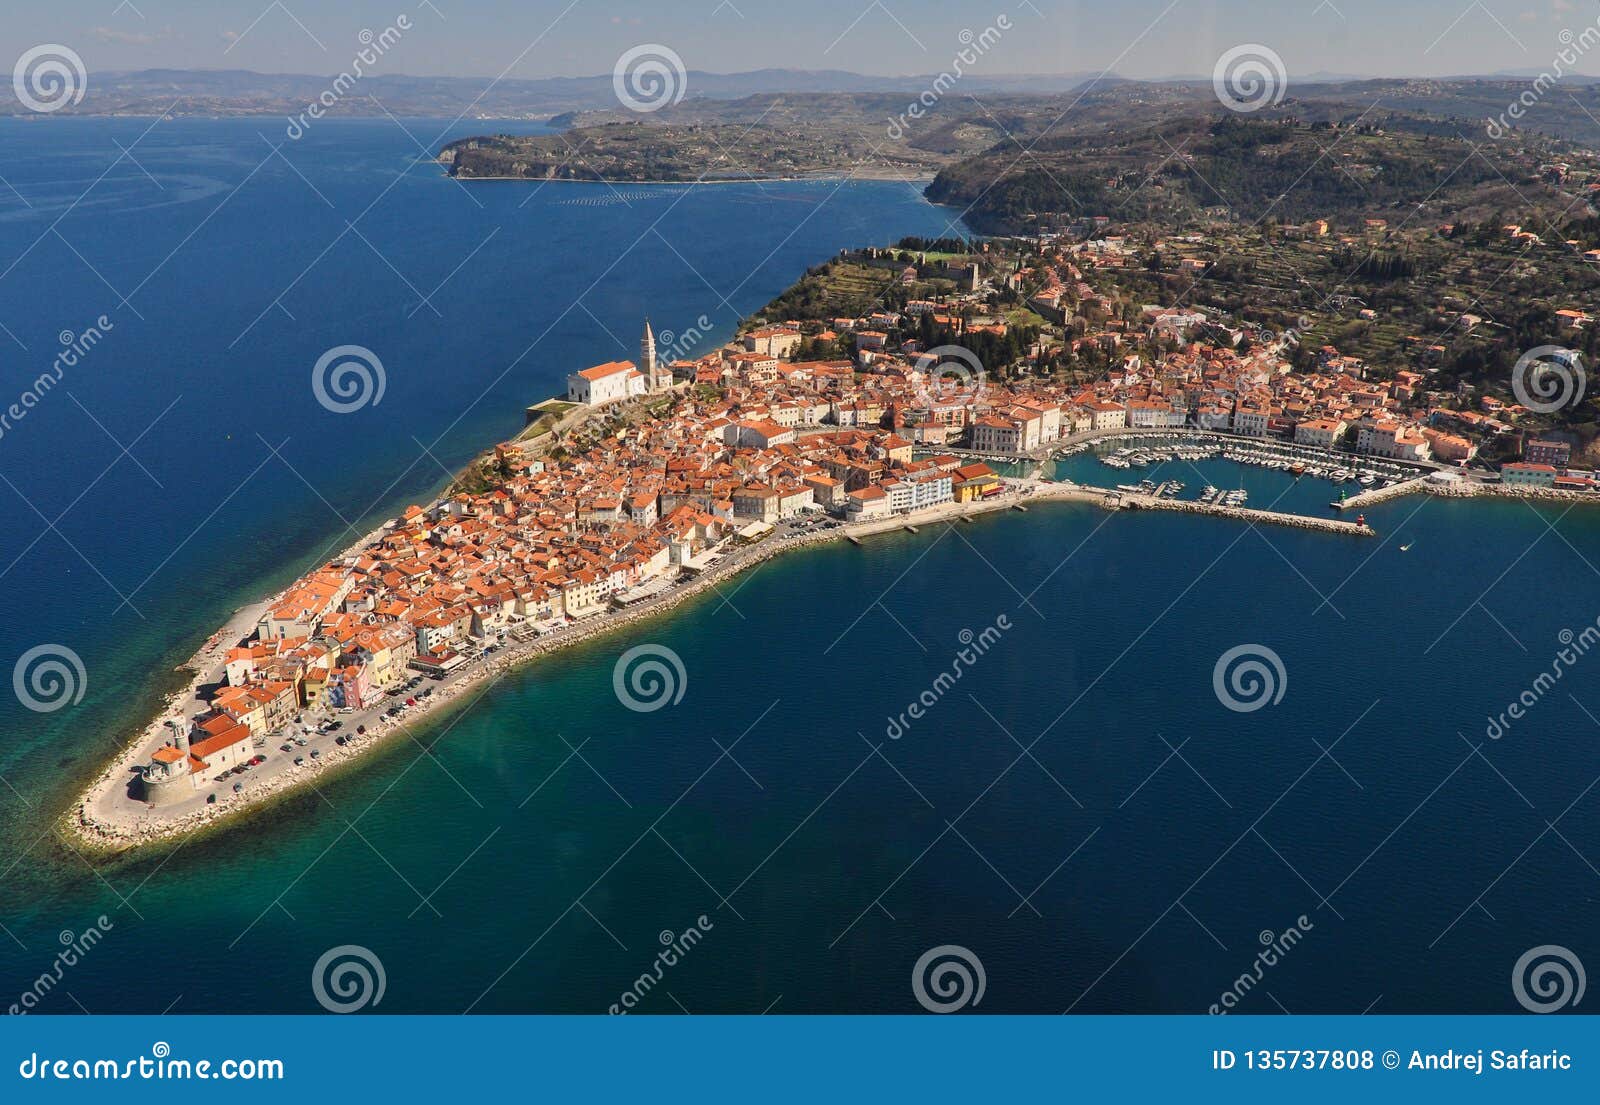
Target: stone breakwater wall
{"points": [[1376, 495], [1246, 514], [1500, 491], [1468, 489]]}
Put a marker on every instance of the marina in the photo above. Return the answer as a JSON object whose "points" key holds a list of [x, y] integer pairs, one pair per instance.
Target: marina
{"points": [[1143, 451]]}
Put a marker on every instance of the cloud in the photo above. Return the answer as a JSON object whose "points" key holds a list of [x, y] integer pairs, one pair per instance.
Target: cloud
{"points": [[128, 38]]}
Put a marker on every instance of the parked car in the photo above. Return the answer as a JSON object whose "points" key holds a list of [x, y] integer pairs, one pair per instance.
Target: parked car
{"points": [[299, 761]]}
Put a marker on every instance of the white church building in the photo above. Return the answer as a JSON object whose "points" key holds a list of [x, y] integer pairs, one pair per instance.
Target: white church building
{"points": [[614, 380]]}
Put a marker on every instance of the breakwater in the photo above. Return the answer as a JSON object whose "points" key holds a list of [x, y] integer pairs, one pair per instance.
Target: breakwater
{"points": [[1244, 514], [1467, 489]]}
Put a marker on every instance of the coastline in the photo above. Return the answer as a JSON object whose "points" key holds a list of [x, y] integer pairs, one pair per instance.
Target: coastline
{"points": [[138, 829], [204, 663], [107, 837]]}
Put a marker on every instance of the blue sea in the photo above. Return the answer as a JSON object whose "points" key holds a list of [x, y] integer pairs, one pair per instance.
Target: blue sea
{"points": [[1094, 814]]}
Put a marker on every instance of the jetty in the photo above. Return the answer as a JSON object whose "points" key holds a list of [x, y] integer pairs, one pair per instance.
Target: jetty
{"points": [[1128, 501], [1373, 496]]}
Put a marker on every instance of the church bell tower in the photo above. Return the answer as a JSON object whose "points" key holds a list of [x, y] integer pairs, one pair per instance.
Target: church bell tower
{"points": [[647, 358]]}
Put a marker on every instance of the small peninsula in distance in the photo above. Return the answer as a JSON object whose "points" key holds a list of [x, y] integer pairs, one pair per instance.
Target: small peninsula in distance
{"points": [[639, 153]]}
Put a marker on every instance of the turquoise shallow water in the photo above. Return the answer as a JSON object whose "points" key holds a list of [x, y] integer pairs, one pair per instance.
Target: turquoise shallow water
{"points": [[506, 872]]}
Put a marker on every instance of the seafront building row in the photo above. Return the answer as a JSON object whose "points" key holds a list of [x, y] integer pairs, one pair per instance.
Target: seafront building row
{"points": [[670, 465]]}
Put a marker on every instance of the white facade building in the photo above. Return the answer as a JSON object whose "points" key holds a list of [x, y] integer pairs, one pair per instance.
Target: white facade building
{"points": [[605, 383]]}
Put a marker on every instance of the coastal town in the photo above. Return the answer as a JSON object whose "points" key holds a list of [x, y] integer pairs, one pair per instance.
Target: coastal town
{"points": [[648, 478]]}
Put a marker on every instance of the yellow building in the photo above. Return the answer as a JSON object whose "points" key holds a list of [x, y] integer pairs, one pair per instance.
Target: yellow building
{"points": [[974, 482]]}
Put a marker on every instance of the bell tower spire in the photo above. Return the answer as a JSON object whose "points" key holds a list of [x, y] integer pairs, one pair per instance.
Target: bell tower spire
{"points": [[648, 365]]}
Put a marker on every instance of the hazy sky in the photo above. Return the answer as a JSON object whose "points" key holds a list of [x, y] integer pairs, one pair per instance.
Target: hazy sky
{"points": [[539, 38]]}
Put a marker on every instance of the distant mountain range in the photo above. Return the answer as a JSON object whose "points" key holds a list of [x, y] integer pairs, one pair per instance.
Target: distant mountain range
{"points": [[243, 92]]}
